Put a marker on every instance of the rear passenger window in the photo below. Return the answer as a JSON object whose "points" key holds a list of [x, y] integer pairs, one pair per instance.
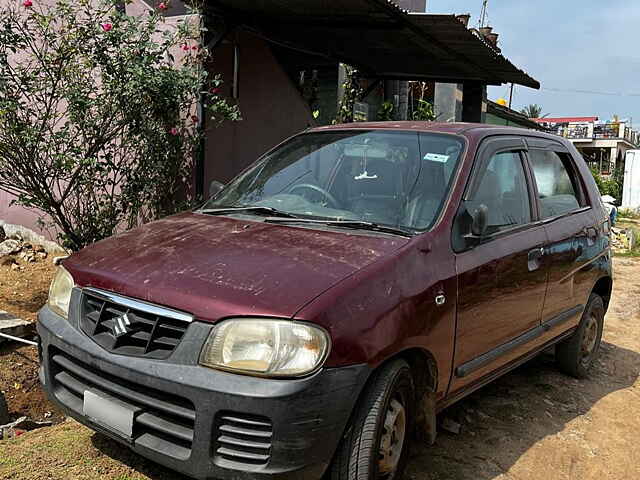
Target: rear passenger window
{"points": [[558, 187], [502, 187]]}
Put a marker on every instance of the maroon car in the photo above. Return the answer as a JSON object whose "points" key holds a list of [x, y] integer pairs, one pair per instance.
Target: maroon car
{"points": [[345, 288]]}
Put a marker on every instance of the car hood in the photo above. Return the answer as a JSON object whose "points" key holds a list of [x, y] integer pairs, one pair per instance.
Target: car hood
{"points": [[217, 267]]}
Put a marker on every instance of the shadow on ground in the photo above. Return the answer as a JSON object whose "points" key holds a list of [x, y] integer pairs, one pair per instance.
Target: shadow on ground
{"points": [[503, 420], [500, 422], [124, 455]]}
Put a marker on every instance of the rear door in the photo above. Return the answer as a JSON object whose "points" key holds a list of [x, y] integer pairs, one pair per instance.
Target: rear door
{"points": [[572, 230], [501, 281]]}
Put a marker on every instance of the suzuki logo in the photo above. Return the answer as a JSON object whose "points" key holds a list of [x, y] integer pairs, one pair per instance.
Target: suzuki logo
{"points": [[122, 325]]}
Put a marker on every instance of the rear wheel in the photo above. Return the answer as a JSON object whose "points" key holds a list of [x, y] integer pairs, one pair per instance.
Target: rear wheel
{"points": [[576, 354], [375, 445]]}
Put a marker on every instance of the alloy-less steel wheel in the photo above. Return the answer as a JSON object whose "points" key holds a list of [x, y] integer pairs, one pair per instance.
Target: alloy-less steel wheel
{"points": [[375, 445], [576, 354]]}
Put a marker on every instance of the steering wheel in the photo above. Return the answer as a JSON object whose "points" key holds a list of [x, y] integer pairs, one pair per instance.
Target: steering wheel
{"points": [[308, 186]]}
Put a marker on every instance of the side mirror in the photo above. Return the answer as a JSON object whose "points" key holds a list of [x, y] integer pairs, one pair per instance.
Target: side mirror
{"points": [[480, 221], [215, 187]]}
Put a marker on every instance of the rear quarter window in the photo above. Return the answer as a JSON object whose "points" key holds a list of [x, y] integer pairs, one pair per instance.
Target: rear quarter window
{"points": [[559, 187]]}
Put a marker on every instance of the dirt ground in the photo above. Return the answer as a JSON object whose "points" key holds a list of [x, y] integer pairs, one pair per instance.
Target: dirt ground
{"points": [[534, 423], [22, 293]]}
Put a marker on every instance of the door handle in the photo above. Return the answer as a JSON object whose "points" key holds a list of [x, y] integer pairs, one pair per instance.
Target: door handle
{"points": [[534, 257]]}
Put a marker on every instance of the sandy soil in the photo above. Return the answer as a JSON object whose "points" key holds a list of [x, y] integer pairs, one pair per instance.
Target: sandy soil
{"points": [[534, 423], [22, 293]]}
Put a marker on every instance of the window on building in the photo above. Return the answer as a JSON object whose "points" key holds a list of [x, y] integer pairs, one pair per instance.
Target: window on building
{"points": [[559, 189]]}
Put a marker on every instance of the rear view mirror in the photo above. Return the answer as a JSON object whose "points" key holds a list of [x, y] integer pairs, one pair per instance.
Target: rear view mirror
{"points": [[215, 187], [480, 221]]}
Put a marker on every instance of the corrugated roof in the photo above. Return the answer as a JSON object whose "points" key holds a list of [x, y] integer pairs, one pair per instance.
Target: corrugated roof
{"points": [[376, 36]]}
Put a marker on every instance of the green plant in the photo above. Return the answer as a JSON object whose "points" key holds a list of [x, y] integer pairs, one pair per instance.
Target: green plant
{"points": [[424, 111], [385, 112], [352, 92], [609, 186], [97, 119]]}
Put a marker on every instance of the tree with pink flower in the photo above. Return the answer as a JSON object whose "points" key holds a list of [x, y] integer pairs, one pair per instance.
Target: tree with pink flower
{"points": [[97, 127]]}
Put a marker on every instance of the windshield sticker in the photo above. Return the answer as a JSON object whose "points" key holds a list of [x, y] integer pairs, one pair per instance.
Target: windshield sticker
{"points": [[435, 157]]}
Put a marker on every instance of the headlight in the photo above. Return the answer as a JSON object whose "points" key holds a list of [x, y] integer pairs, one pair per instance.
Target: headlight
{"points": [[268, 348], [60, 292]]}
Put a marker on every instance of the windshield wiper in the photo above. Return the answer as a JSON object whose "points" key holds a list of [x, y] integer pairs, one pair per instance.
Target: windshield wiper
{"points": [[353, 224], [258, 210]]}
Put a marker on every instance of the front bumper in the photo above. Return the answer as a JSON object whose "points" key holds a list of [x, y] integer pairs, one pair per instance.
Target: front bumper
{"points": [[201, 422]]}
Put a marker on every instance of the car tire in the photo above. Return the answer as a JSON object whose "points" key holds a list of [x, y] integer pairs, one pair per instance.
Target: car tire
{"points": [[576, 354], [376, 442]]}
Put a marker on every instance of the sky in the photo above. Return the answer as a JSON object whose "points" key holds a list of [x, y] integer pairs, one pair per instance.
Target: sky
{"points": [[582, 45]]}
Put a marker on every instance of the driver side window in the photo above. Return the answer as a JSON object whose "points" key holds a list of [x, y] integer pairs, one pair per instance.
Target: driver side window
{"points": [[502, 187]]}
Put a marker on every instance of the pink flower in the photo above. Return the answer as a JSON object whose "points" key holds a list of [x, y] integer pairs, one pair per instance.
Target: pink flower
{"points": [[162, 6], [173, 131], [185, 47], [105, 26], [27, 3], [195, 47]]}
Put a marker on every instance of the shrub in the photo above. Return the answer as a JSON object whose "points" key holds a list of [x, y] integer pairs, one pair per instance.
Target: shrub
{"points": [[611, 185], [97, 125]]}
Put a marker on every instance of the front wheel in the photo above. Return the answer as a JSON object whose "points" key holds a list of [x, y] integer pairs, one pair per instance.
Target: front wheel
{"points": [[375, 445], [576, 354]]}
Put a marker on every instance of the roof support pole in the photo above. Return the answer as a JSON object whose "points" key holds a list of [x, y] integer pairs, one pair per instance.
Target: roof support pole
{"points": [[474, 102], [213, 31], [448, 102]]}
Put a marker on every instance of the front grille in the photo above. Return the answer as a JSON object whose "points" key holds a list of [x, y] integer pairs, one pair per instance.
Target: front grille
{"points": [[243, 438], [128, 327], [166, 422]]}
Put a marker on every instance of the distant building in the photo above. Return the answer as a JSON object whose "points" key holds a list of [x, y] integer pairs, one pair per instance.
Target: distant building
{"points": [[602, 144]]}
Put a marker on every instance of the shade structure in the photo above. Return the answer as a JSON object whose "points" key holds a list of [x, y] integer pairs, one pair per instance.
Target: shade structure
{"points": [[376, 36]]}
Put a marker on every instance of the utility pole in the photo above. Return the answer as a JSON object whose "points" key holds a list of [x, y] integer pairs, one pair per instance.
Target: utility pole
{"points": [[483, 14], [511, 96]]}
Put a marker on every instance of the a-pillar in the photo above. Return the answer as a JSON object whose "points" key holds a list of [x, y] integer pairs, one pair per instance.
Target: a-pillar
{"points": [[474, 102]]}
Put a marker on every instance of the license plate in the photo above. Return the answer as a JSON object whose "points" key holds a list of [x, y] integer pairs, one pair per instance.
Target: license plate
{"points": [[110, 412]]}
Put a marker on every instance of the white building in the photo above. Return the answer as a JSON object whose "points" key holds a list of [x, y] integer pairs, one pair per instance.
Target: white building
{"points": [[602, 144]]}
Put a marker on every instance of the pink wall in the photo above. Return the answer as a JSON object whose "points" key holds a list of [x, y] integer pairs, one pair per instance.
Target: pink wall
{"points": [[17, 215], [29, 218], [271, 106]]}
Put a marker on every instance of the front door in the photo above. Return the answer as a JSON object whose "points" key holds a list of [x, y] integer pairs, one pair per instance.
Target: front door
{"points": [[501, 278]]}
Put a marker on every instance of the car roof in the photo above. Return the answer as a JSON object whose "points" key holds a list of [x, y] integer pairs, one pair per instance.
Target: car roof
{"points": [[477, 130]]}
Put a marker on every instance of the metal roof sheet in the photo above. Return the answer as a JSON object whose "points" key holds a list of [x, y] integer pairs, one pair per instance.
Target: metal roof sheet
{"points": [[376, 36]]}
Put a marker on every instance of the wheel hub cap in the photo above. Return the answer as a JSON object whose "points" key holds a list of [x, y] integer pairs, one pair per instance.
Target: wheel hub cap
{"points": [[392, 441], [589, 339]]}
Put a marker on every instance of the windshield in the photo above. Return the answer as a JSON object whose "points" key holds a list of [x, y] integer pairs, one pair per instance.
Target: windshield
{"points": [[397, 179]]}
